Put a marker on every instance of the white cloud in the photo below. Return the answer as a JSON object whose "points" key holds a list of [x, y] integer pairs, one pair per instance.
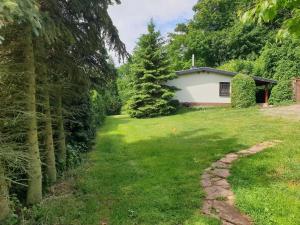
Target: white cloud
{"points": [[132, 16]]}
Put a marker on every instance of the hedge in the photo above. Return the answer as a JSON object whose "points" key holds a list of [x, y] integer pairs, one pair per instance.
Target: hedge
{"points": [[243, 91], [282, 93]]}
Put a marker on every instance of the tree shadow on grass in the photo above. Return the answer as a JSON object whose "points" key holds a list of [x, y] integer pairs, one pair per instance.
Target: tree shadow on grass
{"points": [[156, 180], [184, 110], [255, 171]]}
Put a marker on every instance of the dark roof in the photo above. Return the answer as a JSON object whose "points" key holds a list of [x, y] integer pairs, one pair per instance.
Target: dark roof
{"points": [[205, 69], [222, 72], [261, 79]]}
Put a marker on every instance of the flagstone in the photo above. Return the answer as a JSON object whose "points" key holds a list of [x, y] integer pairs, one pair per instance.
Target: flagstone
{"points": [[219, 196]]}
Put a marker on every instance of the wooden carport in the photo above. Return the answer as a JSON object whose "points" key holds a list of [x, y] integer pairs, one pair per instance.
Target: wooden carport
{"points": [[266, 84]]}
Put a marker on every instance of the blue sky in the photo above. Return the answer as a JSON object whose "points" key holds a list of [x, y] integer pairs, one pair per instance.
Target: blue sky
{"points": [[132, 16]]}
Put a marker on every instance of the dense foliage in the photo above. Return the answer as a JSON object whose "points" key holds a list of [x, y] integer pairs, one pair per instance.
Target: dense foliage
{"points": [[282, 93], [243, 91], [225, 34], [57, 82], [56, 85], [219, 37], [216, 35], [151, 71], [266, 11], [125, 83]]}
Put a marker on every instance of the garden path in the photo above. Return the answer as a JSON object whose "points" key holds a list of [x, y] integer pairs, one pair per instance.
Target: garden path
{"points": [[219, 201]]}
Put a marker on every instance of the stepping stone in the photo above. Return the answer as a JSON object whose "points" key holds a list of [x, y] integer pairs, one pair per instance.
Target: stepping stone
{"points": [[244, 152], [222, 183], [229, 158], [206, 182], [223, 173], [215, 179], [207, 207], [230, 214], [219, 202], [220, 165], [217, 192], [206, 175]]}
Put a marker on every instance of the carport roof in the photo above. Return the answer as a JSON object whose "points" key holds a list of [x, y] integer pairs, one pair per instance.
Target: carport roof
{"points": [[258, 80]]}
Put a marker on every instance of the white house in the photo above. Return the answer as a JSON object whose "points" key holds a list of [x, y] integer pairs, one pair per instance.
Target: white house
{"points": [[208, 86]]}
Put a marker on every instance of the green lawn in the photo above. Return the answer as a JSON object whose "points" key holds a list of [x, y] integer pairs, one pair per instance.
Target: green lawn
{"points": [[147, 172]]}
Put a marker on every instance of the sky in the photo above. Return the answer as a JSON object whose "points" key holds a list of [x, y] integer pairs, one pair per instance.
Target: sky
{"points": [[132, 16]]}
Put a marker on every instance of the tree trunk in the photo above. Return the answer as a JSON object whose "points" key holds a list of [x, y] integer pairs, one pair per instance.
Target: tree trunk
{"points": [[4, 201], [34, 192], [42, 72], [50, 154], [62, 151]]}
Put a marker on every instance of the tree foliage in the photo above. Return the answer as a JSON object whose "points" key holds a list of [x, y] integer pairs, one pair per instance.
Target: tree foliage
{"points": [[266, 11], [282, 93], [125, 83], [243, 91], [151, 70], [56, 85], [280, 61], [219, 36], [215, 35]]}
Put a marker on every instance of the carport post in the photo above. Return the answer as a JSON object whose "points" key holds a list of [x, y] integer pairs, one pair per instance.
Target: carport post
{"points": [[267, 93]]}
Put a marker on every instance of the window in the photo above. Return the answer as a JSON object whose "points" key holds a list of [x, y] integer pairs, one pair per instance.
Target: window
{"points": [[224, 89]]}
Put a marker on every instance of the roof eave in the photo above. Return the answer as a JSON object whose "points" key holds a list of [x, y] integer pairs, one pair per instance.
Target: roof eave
{"points": [[205, 69], [222, 72]]}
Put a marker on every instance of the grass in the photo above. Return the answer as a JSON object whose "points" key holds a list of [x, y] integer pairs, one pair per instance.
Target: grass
{"points": [[146, 172]]}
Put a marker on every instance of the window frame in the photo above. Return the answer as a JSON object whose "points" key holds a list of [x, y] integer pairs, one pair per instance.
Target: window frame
{"points": [[224, 89]]}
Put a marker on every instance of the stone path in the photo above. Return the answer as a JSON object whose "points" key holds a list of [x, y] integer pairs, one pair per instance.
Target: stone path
{"points": [[219, 201]]}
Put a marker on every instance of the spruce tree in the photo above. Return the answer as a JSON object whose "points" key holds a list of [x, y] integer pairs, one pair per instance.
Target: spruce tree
{"points": [[151, 70], [53, 54]]}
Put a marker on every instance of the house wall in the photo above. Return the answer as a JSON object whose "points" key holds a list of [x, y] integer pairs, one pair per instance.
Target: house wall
{"points": [[200, 88]]}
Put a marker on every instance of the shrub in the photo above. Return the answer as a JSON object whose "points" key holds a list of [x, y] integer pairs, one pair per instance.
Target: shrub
{"points": [[243, 91], [282, 93]]}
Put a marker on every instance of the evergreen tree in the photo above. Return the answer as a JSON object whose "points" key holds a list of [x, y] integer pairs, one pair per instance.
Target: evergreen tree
{"points": [[151, 70], [53, 55]]}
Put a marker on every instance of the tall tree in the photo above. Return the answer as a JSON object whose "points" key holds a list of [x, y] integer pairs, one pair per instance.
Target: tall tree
{"points": [[25, 16], [266, 11], [34, 192], [43, 81], [53, 55], [151, 70]]}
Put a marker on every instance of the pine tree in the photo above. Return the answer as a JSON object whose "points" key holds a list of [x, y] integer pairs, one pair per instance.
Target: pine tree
{"points": [[52, 56], [152, 97]]}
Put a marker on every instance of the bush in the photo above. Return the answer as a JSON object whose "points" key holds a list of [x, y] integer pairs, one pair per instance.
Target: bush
{"points": [[239, 66], [282, 93], [243, 91]]}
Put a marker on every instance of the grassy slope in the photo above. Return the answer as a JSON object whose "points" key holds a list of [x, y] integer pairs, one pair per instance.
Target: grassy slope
{"points": [[146, 172]]}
